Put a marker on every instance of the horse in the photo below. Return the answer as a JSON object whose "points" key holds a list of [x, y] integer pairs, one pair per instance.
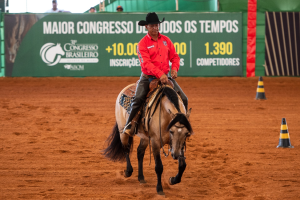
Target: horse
{"points": [[168, 124]]}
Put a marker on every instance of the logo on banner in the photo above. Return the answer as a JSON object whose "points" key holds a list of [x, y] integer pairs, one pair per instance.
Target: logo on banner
{"points": [[49, 51], [74, 67], [73, 52]]}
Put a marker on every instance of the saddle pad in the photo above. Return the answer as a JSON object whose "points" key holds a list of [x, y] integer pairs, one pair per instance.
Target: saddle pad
{"points": [[125, 102]]}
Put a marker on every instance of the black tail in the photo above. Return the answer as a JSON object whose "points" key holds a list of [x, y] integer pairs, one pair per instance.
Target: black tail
{"points": [[115, 150]]}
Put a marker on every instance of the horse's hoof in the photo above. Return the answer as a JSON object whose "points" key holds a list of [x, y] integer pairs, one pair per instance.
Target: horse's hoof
{"points": [[142, 181], [161, 193], [127, 174], [171, 180]]}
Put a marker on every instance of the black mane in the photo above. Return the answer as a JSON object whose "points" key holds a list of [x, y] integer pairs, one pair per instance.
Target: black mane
{"points": [[181, 118], [172, 96]]}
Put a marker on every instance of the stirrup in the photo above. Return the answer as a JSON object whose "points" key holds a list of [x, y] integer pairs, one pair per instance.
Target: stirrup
{"points": [[128, 130]]}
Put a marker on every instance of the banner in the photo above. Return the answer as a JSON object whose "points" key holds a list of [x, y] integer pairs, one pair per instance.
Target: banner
{"points": [[209, 44]]}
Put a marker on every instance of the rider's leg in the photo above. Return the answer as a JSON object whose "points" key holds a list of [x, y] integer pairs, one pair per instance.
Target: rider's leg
{"points": [[181, 93], [141, 92]]}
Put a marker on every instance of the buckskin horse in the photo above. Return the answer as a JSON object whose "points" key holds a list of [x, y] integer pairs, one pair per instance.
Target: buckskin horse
{"points": [[165, 121]]}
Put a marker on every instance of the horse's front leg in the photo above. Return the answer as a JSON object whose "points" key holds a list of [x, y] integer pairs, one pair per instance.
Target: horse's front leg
{"points": [[140, 154], [126, 141], [159, 168], [181, 168]]}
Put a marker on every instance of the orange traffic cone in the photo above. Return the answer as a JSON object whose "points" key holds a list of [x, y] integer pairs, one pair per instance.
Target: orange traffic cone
{"points": [[284, 139], [260, 92]]}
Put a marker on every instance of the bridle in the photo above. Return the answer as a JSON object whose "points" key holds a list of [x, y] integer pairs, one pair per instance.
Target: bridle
{"points": [[185, 137]]}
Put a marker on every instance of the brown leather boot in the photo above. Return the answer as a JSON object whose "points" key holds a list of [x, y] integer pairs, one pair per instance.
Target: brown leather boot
{"points": [[130, 127]]}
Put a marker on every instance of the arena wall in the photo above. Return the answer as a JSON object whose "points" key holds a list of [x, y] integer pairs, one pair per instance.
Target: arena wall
{"points": [[227, 6], [104, 44]]}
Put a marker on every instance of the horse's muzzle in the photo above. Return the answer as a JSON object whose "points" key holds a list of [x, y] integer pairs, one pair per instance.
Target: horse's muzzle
{"points": [[175, 156]]}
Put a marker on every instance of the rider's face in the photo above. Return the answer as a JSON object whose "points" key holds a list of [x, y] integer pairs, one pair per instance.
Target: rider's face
{"points": [[54, 5], [153, 29]]}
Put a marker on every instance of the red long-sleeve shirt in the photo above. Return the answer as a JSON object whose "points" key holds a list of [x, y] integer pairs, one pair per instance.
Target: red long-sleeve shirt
{"points": [[155, 55]]}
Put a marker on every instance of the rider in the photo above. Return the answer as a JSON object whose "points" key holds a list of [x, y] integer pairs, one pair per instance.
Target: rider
{"points": [[154, 51]]}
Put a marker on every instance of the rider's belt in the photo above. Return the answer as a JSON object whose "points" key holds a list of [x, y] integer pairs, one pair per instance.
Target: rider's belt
{"points": [[148, 76]]}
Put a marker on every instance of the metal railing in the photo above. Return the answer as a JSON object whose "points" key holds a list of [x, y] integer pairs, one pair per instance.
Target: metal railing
{"points": [[2, 46]]}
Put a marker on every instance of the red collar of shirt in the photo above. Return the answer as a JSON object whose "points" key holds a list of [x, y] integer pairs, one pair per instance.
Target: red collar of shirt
{"points": [[159, 36]]}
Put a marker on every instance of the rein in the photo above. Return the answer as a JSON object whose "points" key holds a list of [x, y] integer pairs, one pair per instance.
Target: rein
{"points": [[162, 146], [166, 155]]}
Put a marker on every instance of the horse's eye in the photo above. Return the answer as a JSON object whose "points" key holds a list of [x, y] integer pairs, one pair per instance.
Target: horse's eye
{"points": [[172, 132], [187, 134]]}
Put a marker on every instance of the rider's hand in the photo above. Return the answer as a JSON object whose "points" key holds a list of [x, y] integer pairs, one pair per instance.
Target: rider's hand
{"points": [[163, 79], [173, 74]]}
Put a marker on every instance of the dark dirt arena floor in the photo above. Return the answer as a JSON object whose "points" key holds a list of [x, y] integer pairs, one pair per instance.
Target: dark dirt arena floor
{"points": [[53, 129]]}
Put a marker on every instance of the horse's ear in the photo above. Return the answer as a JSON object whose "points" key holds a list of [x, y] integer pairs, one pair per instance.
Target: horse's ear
{"points": [[188, 113], [172, 115]]}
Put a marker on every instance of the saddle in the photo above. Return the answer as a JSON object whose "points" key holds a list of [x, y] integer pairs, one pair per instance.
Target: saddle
{"points": [[128, 95], [154, 93], [130, 92]]}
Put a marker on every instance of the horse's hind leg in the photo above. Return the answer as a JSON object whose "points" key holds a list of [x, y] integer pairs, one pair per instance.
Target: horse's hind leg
{"points": [[181, 168], [129, 169], [140, 154], [127, 141]]}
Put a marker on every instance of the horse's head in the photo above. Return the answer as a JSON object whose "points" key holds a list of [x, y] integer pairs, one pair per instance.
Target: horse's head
{"points": [[179, 128]]}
